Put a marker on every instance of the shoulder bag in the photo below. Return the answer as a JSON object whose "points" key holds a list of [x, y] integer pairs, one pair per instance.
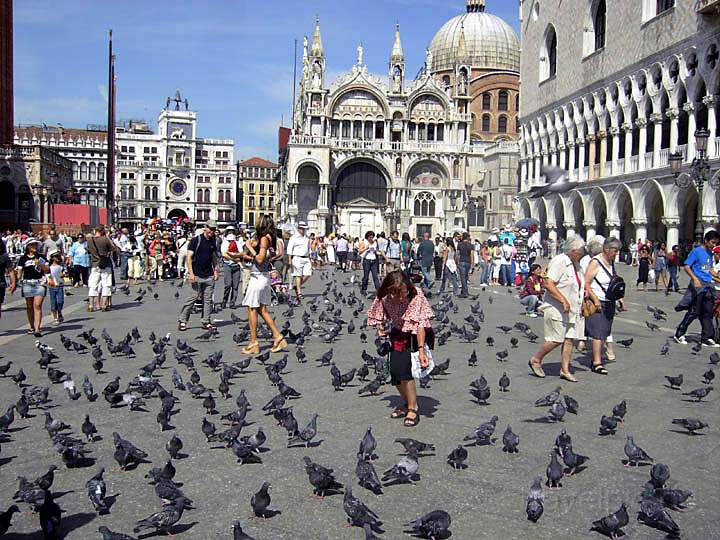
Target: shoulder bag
{"points": [[104, 261]]}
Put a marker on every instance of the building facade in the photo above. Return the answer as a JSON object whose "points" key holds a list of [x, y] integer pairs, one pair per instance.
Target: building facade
{"points": [[372, 154], [609, 91], [259, 181], [173, 173]]}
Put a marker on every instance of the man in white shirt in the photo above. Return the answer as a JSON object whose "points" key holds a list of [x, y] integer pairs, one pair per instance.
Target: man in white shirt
{"points": [[342, 249], [298, 250], [231, 252], [122, 241]]}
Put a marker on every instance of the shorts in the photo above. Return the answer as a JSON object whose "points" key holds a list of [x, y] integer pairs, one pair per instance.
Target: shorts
{"points": [[100, 282], [400, 367], [559, 331], [33, 288], [301, 267], [392, 264]]}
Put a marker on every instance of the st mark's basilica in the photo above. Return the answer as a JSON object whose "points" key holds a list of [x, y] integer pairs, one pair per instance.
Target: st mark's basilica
{"points": [[433, 153]]}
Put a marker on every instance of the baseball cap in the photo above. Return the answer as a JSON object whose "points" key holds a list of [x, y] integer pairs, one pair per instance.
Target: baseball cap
{"points": [[302, 225], [211, 224], [716, 249]]}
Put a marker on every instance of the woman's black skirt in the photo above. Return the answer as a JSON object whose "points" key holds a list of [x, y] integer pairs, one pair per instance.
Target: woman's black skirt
{"points": [[599, 325]]}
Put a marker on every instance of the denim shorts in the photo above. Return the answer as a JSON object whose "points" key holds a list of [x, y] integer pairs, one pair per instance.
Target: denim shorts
{"points": [[32, 288]]}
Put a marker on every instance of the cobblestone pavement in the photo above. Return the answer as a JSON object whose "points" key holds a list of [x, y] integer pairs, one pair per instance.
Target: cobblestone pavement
{"points": [[486, 500]]}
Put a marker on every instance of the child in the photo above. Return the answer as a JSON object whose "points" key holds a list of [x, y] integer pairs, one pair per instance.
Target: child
{"points": [[56, 287], [524, 271]]}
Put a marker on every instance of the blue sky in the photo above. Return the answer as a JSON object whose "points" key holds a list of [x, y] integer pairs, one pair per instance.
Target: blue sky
{"points": [[232, 59]]}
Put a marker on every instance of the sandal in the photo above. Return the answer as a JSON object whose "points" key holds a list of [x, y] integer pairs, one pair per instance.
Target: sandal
{"points": [[279, 346], [400, 412], [252, 348], [209, 326], [568, 376], [599, 369], [182, 326], [412, 421], [536, 370]]}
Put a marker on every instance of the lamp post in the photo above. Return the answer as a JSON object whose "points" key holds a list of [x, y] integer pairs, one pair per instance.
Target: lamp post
{"points": [[116, 209], [699, 170]]}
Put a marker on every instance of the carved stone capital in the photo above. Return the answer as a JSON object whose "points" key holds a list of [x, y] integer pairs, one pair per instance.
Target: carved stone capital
{"points": [[615, 131], [673, 114], [589, 224], [561, 147], [710, 101], [550, 226], [656, 118], [590, 137], [689, 107], [641, 122], [571, 144], [612, 224], [602, 135], [627, 126], [642, 222], [671, 221], [569, 225]]}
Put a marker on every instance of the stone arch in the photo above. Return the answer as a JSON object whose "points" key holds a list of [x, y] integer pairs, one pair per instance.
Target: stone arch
{"points": [[360, 178], [556, 212], [525, 208], [653, 208], [427, 169], [178, 213], [622, 211], [598, 210], [575, 210], [377, 97], [308, 190]]}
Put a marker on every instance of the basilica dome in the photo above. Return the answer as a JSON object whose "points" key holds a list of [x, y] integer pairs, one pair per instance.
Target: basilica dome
{"points": [[490, 42]]}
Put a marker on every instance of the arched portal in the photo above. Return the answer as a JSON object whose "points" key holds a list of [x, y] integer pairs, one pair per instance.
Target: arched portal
{"points": [[7, 197], [687, 204], [525, 209], [599, 209], [654, 211], [578, 214], [625, 214], [177, 213], [560, 219], [360, 195], [542, 218], [308, 191]]}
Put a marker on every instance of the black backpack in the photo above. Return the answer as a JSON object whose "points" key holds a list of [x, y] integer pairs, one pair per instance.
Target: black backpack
{"points": [[616, 288]]}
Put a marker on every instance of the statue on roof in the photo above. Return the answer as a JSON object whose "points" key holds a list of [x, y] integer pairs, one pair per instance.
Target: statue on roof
{"points": [[360, 52], [186, 104]]}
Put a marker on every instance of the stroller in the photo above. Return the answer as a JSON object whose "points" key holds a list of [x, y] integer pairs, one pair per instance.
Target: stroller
{"points": [[278, 289]]}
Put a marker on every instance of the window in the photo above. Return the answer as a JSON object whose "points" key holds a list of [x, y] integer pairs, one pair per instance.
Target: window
{"points": [[251, 219], [664, 5], [271, 203], [424, 204], [262, 188], [270, 188], [155, 194], [251, 202], [485, 123], [599, 24], [262, 203], [548, 54], [83, 171], [221, 196], [200, 198], [101, 171], [486, 101], [228, 197], [503, 100], [76, 171], [517, 102], [502, 124], [251, 188], [131, 192], [207, 195]]}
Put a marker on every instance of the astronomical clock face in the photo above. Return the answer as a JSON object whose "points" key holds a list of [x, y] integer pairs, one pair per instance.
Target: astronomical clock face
{"points": [[178, 187]]}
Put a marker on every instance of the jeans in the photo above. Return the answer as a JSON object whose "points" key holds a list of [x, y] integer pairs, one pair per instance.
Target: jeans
{"points": [[425, 270], [506, 274], [231, 279], [484, 272], [452, 276], [673, 284], [370, 267], [701, 308], [437, 263], [124, 258], [57, 299], [342, 257], [464, 271], [530, 302], [203, 289]]}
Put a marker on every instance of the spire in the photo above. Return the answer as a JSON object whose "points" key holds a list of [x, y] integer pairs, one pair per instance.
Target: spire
{"points": [[397, 51], [317, 46], [475, 6], [462, 45]]}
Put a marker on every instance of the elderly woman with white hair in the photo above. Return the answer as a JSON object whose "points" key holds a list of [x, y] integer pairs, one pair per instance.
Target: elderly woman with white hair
{"points": [[599, 275], [563, 322]]}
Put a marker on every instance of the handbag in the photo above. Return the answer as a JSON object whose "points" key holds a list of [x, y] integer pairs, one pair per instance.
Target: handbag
{"points": [[419, 372], [588, 307], [104, 260]]}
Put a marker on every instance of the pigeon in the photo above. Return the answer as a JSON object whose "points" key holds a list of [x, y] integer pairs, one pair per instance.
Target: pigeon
{"points": [[699, 393], [715, 358], [571, 404], [653, 327], [433, 525], [6, 518], [659, 475], [307, 434], [535, 500], [675, 382], [481, 394], [665, 349], [504, 329], [368, 444], [611, 525], [634, 453], [557, 411], [625, 342], [608, 425], [620, 410], [502, 355], [126, 453], [514, 342], [50, 515], [675, 498], [554, 471], [510, 441], [238, 533], [483, 433], [572, 460], [404, 470], [456, 458], [89, 429], [7, 418], [418, 446], [163, 520], [359, 514], [367, 475], [708, 376], [653, 514], [260, 501], [19, 377], [321, 478], [504, 382], [4, 368], [174, 446], [96, 492], [549, 399], [107, 534], [691, 424], [473, 359], [372, 387]]}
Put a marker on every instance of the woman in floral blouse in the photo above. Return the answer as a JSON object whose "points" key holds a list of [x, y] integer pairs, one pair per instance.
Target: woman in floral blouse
{"points": [[405, 306]]}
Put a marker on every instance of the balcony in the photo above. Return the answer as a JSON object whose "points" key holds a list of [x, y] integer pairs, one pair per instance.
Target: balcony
{"points": [[383, 145]]}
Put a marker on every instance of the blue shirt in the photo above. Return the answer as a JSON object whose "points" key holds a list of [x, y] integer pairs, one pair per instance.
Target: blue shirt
{"points": [[79, 253], [700, 262]]}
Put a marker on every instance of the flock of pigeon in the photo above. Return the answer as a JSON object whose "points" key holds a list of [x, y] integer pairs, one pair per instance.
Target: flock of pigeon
{"points": [[172, 381]]}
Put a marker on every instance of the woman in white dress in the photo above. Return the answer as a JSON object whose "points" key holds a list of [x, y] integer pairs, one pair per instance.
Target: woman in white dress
{"points": [[261, 253], [330, 249]]}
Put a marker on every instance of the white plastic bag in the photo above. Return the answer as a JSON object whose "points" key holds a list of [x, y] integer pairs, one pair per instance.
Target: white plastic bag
{"points": [[417, 370], [651, 275]]}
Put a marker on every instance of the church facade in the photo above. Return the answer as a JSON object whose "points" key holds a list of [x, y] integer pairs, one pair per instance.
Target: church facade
{"points": [[434, 153]]}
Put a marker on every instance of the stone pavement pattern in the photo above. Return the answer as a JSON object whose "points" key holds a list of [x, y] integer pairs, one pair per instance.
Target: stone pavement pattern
{"points": [[486, 500]]}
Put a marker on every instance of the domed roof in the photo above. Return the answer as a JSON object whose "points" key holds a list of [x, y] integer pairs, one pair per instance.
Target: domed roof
{"points": [[490, 42]]}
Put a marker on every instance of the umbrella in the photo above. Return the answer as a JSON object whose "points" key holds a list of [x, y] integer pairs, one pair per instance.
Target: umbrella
{"points": [[526, 222]]}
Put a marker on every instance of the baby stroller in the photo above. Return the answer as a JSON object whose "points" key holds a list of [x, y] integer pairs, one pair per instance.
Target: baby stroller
{"points": [[278, 289]]}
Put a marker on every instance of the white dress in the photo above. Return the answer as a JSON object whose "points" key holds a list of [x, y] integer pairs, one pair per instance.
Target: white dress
{"points": [[330, 250], [258, 291]]}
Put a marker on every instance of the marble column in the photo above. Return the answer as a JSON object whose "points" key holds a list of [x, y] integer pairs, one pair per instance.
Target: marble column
{"points": [[689, 108], [628, 128], [590, 231], [640, 228], [591, 156], [581, 160], [641, 123], [615, 155], [572, 174], [711, 103], [561, 150], [673, 231], [673, 115], [553, 156], [569, 229], [613, 229], [656, 119], [523, 174], [603, 153], [537, 168], [552, 237]]}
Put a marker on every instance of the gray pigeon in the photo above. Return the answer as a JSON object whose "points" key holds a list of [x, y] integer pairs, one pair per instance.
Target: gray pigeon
{"points": [[433, 525], [691, 424], [551, 398], [238, 533], [483, 433], [554, 471], [572, 460], [557, 411], [611, 525], [368, 444], [653, 514], [260, 501], [96, 492], [699, 393], [535, 501], [307, 434], [510, 441], [457, 458], [367, 475], [634, 453], [675, 498], [404, 470]]}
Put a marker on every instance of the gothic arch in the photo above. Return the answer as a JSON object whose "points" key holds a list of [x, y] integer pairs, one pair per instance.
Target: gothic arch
{"points": [[361, 179], [653, 208], [416, 166], [311, 164], [358, 88], [526, 209]]}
